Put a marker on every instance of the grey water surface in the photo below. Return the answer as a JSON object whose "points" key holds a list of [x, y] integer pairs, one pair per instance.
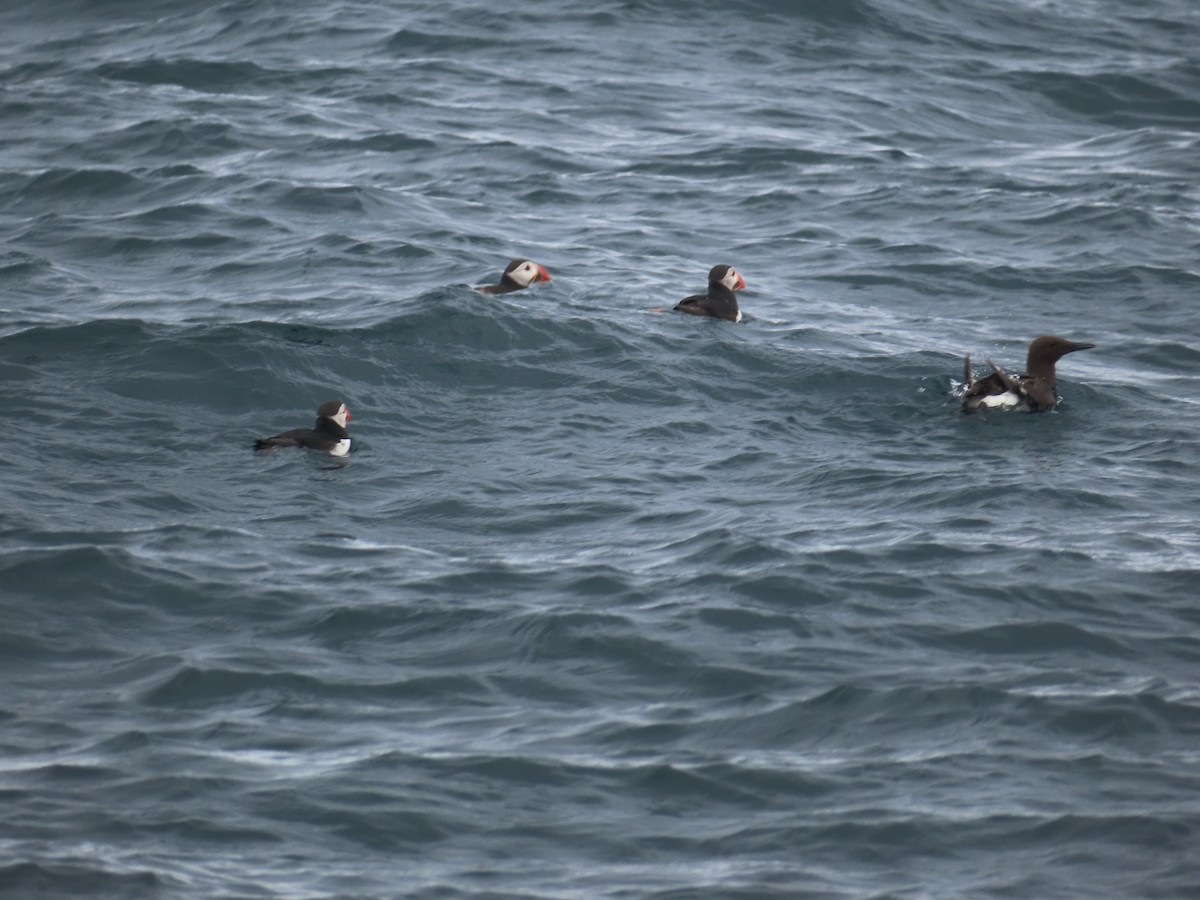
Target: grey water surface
{"points": [[605, 602]]}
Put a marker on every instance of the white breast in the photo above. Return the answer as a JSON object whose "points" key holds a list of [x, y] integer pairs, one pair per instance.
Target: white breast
{"points": [[1000, 401], [341, 448]]}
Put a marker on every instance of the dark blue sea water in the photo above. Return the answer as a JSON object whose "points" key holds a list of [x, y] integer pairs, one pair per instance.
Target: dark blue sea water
{"points": [[605, 602]]}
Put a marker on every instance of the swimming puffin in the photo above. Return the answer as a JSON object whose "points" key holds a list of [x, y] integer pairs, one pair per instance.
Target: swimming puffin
{"points": [[1035, 390], [328, 435], [719, 302], [518, 275]]}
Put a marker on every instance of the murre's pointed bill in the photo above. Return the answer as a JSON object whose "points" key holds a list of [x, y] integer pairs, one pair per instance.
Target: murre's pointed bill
{"points": [[1035, 390]]}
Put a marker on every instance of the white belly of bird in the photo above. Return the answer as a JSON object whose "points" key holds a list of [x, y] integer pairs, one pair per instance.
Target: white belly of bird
{"points": [[1000, 401]]}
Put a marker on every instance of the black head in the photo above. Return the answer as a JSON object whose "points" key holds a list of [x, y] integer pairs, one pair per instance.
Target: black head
{"points": [[524, 272], [335, 410], [726, 277]]}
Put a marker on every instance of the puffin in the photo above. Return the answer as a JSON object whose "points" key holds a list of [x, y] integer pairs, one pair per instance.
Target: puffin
{"points": [[1035, 390], [518, 275], [719, 302], [329, 434]]}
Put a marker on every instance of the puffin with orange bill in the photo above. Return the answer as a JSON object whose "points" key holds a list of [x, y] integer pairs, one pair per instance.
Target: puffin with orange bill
{"points": [[1036, 390], [518, 275], [720, 301], [329, 434]]}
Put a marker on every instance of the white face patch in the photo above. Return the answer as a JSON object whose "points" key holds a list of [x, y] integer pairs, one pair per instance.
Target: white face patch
{"points": [[524, 274], [341, 416], [732, 280]]}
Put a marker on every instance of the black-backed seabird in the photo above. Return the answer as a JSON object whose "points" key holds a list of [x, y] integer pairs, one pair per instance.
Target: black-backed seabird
{"points": [[328, 435], [518, 275], [719, 302]]}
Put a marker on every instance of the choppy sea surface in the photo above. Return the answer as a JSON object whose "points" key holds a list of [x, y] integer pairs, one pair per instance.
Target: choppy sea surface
{"points": [[605, 602]]}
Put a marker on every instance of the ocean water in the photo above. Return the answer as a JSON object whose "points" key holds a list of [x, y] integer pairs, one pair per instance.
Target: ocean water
{"points": [[606, 602]]}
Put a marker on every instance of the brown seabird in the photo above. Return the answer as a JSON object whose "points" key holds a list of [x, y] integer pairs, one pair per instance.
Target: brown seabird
{"points": [[1035, 390]]}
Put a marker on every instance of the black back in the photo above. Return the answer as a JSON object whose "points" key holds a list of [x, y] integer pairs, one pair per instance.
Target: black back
{"points": [[719, 303]]}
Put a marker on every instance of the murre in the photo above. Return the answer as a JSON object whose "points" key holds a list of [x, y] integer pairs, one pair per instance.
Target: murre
{"points": [[1035, 390]]}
